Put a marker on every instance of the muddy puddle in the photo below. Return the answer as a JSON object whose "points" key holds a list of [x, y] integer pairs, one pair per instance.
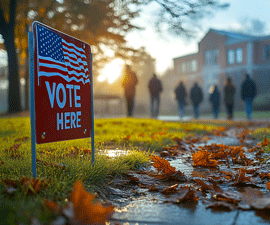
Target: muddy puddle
{"points": [[135, 204]]}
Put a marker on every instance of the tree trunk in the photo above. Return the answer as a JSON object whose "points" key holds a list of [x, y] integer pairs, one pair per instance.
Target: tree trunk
{"points": [[14, 97]]}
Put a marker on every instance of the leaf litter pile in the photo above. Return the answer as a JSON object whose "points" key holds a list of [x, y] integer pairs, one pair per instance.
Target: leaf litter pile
{"points": [[222, 177]]}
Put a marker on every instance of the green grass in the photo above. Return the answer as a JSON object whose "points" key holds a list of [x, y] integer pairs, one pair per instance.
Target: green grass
{"points": [[262, 133], [67, 161], [137, 135], [241, 115]]}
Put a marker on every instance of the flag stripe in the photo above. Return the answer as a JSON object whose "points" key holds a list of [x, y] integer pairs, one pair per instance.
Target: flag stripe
{"points": [[61, 66], [58, 57], [67, 78]]}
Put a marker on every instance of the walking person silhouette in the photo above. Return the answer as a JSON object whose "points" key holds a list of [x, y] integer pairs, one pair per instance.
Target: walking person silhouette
{"points": [[215, 100], [180, 95], [229, 92], [155, 88], [129, 83], [248, 93], [196, 96]]}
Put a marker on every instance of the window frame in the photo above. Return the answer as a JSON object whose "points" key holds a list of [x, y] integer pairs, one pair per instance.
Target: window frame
{"points": [[239, 56], [231, 56]]}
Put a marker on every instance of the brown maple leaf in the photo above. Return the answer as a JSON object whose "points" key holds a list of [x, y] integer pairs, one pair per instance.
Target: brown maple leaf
{"points": [[85, 209], [241, 177], [202, 158], [256, 199], [204, 186], [170, 190], [185, 194], [162, 165]]}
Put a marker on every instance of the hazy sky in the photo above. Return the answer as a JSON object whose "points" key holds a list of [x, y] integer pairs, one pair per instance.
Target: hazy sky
{"points": [[165, 47]]}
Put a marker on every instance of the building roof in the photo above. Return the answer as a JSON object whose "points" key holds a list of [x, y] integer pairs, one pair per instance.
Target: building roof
{"points": [[185, 56], [235, 37]]}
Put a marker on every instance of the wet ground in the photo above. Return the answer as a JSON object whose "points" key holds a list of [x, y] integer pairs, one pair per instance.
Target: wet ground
{"points": [[135, 204]]}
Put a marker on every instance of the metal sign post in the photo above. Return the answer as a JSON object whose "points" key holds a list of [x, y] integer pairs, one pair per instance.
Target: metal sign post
{"points": [[61, 88], [32, 102]]}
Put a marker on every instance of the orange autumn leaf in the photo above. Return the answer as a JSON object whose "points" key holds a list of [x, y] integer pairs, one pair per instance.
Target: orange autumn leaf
{"points": [[162, 165], [86, 211], [268, 185], [52, 206], [203, 158], [265, 142]]}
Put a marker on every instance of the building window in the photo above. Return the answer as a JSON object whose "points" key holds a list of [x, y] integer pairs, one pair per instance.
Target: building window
{"points": [[239, 55], [266, 52], [194, 65], [231, 56], [211, 57], [183, 67]]}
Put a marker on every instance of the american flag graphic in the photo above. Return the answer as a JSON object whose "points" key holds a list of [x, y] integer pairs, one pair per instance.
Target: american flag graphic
{"points": [[57, 57]]}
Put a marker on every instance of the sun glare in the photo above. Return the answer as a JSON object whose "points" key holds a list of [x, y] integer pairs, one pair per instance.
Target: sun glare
{"points": [[111, 71]]}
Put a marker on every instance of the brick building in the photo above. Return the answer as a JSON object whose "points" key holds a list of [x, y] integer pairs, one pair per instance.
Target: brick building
{"points": [[224, 54]]}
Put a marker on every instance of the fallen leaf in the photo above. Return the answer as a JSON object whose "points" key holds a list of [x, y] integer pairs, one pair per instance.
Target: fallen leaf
{"points": [[203, 158], [204, 186], [220, 206], [29, 186], [256, 199], [227, 197], [265, 142], [185, 194], [52, 206], [205, 139], [153, 189], [268, 185], [162, 165], [170, 190], [85, 210], [241, 177]]}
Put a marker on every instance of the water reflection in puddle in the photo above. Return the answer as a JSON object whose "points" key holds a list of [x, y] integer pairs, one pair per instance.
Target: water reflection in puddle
{"points": [[114, 152]]}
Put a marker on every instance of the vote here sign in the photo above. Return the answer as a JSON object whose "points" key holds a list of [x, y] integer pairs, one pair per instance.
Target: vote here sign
{"points": [[62, 82]]}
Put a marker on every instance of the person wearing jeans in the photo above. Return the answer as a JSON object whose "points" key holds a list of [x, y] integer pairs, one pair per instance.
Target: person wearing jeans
{"points": [[196, 96], [129, 83], [215, 100], [229, 92], [248, 93], [154, 106], [180, 95], [155, 88], [248, 102]]}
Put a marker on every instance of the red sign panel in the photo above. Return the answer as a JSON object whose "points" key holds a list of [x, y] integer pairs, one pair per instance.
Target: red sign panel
{"points": [[62, 86]]}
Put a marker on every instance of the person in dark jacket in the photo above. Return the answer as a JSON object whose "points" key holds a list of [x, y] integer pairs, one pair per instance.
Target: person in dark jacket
{"points": [[229, 91], [155, 88], [248, 93], [129, 83], [215, 100], [196, 96], [180, 95]]}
